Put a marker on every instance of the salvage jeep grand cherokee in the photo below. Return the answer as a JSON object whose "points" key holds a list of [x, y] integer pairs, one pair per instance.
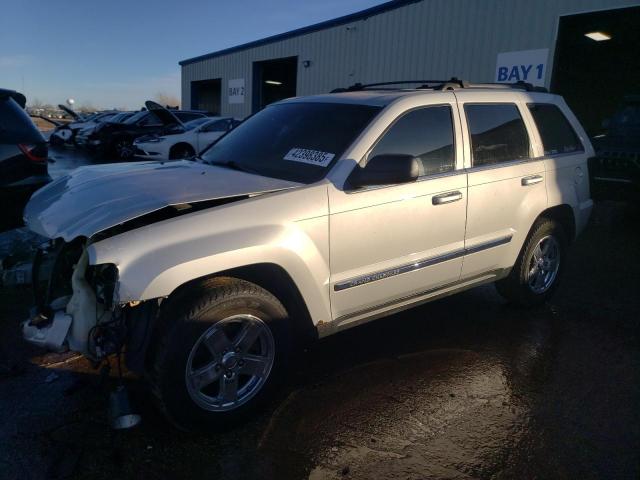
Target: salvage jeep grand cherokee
{"points": [[315, 215]]}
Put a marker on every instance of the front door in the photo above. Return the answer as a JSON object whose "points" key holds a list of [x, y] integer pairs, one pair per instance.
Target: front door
{"points": [[392, 243]]}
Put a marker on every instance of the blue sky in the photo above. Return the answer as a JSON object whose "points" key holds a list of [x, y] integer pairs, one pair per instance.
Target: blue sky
{"points": [[117, 53]]}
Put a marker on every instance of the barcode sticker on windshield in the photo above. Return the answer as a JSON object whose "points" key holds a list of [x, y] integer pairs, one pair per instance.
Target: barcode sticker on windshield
{"points": [[312, 157]]}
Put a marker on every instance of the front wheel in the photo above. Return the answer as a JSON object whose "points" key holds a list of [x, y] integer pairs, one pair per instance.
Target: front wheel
{"points": [[219, 353], [181, 152], [123, 148], [539, 267]]}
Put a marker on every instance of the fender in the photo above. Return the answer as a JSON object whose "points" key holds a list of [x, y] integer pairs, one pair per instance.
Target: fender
{"points": [[155, 260]]}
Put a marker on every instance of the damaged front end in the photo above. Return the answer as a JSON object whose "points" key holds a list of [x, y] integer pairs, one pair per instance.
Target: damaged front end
{"points": [[76, 306]]}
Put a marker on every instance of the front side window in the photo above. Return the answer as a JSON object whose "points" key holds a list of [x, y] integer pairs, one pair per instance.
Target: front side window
{"points": [[555, 130], [497, 133], [426, 134], [295, 141]]}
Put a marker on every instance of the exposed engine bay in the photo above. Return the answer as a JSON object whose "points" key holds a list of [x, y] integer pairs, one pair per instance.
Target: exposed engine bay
{"points": [[76, 306]]}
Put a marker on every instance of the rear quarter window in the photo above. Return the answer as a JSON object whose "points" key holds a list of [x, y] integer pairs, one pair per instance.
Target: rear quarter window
{"points": [[557, 134]]}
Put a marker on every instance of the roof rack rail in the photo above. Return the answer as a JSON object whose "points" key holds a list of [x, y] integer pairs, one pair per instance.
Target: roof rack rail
{"points": [[452, 84]]}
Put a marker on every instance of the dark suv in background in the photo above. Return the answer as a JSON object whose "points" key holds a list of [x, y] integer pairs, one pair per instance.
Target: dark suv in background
{"points": [[615, 170], [23, 158]]}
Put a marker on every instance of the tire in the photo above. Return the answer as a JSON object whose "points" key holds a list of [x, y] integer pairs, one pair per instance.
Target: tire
{"points": [[526, 287], [181, 152], [197, 356], [123, 148]]}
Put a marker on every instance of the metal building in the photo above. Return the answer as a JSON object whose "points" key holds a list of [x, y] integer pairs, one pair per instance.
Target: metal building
{"points": [[583, 49]]}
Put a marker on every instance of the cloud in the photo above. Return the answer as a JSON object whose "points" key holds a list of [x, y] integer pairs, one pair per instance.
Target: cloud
{"points": [[15, 61]]}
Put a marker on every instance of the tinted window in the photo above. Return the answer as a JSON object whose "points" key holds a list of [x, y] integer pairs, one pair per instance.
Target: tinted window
{"points": [[195, 123], [497, 132], [292, 141], [150, 120], [427, 134], [135, 117], [185, 116], [555, 130]]}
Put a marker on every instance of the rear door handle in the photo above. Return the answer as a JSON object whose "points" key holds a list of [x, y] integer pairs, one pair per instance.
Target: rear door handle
{"points": [[446, 198], [532, 180]]}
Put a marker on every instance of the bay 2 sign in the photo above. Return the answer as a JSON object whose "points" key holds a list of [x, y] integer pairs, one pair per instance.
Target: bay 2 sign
{"points": [[236, 90], [526, 65]]}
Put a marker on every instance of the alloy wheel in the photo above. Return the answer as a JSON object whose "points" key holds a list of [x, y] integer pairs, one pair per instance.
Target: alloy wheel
{"points": [[230, 363], [544, 264]]}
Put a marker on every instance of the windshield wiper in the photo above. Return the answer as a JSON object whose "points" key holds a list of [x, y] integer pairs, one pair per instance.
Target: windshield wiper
{"points": [[234, 166]]}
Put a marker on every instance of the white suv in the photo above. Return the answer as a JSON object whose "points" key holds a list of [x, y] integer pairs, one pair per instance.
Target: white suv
{"points": [[315, 215]]}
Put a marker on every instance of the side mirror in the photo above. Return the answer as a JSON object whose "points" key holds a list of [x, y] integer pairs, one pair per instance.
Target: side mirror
{"points": [[386, 170]]}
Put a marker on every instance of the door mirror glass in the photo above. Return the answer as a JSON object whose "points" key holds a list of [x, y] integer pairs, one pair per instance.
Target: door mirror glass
{"points": [[386, 169]]}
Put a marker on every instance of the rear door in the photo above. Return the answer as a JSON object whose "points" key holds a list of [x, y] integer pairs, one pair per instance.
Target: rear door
{"points": [[506, 181]]}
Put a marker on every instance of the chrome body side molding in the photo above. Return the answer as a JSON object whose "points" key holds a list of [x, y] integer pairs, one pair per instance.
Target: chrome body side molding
{"points": [[409, 267]]}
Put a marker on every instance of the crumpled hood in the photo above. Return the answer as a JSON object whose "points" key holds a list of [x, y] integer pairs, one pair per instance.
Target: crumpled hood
{"points": [[94, 198]]}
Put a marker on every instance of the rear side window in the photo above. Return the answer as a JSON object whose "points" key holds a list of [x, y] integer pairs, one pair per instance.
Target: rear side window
{"points": [[497, 132], [427, 134], [555, 130]]}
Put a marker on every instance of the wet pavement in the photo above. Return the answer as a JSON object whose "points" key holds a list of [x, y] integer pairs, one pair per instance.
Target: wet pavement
{"points": [[465, 387]]}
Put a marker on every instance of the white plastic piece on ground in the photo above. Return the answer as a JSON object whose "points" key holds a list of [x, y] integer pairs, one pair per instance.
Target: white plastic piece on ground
{"points": [[51, 337], [82, 306]]}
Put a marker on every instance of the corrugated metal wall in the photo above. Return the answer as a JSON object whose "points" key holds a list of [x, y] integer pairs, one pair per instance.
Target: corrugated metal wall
{"points": [[430, 39]]}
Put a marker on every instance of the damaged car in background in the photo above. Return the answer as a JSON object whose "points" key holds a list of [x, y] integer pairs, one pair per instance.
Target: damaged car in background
{"points": [[117, 139], [314, 215], [65, 133], [184, 140]]}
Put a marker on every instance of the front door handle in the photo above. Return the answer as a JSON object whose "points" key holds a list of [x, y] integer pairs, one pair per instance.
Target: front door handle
{"points": [[446, 198], [532, 180]]}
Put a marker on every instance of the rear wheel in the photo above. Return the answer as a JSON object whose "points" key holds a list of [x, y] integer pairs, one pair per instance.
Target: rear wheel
{"points": [[536, 274], [219, 353], [182, 151]]}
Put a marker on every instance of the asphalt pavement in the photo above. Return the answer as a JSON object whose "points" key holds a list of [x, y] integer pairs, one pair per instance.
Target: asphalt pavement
{"points": [[465, 387]]}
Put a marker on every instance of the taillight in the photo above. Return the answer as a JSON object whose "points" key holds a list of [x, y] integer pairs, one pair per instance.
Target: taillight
{"points": [[35, 153]]}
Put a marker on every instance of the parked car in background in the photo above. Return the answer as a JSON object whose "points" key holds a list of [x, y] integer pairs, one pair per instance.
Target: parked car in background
{"points": [[185, 140], [314, 215], [82, 137], [23, 158], [66, 134], [116, 139], [615, 170]]}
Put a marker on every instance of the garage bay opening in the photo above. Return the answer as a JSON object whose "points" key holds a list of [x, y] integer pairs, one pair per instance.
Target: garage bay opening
{"points": [[597, 64], [273, 80]]}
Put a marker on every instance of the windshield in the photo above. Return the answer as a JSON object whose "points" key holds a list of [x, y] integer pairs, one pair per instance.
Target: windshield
{"points": [[135, 117], [195, 123], [292, 141], [119, 117]]}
